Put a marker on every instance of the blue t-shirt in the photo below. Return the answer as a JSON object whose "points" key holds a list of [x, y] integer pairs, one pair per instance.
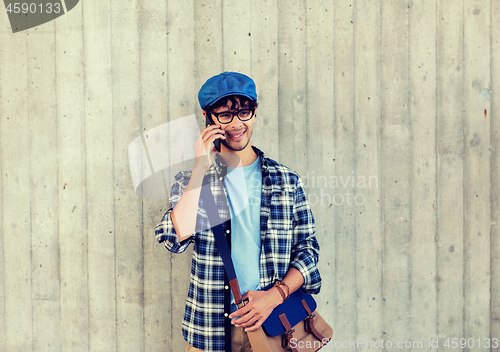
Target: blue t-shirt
{"points": [[244, 187]]}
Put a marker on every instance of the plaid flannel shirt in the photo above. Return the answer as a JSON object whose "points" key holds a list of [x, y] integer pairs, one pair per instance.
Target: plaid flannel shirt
{"points": [[287, 241]]}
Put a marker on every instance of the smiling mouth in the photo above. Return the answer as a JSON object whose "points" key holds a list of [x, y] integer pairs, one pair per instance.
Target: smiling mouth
{"points": [[232, 135]]}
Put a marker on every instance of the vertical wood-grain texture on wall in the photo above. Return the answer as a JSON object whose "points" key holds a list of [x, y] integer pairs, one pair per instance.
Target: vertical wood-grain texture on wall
{"points": [[388, 109]]}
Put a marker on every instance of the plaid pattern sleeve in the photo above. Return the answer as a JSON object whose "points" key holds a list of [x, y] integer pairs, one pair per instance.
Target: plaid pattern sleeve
{"points": [[305, 251], [288, 229], [287, 240], [165, 231]]}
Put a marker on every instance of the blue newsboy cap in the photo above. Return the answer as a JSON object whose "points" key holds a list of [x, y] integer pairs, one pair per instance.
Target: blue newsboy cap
{"points": [[225, 84]]}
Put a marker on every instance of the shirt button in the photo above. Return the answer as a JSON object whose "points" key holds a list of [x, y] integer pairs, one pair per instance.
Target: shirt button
{"points": [[227, 231], [226, 315], [226, 287]]}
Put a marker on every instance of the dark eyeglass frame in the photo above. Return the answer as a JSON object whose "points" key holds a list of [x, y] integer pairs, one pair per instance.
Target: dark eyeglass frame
{"points": [[233, 113]]}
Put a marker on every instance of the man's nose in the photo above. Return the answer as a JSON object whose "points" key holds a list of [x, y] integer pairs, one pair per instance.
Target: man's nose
{"points": [[236, 123]]}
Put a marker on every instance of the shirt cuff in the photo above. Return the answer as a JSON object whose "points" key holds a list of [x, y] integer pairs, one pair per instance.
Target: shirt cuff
{"points": [[308, 269], [165, 232]]}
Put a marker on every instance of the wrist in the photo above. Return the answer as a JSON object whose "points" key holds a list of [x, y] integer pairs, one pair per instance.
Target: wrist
{"points": [[277, 297]]}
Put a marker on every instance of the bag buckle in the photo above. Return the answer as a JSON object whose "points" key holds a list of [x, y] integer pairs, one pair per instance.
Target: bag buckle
{"points": [[287, 336], [243, 303], [308, 322]]}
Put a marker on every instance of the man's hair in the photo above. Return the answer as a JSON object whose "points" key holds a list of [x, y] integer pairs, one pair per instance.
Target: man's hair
{"points": [[224, 102]]}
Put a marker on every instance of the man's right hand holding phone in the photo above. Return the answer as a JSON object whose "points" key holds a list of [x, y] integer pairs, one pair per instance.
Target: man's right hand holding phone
{"points": [[204, 153]]}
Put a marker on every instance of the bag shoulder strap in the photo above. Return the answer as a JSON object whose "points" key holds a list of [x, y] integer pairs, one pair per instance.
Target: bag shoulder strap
{"points": [[220, 238]]}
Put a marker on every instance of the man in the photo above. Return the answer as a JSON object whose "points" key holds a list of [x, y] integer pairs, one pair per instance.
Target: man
{"points": [[271, 230]]}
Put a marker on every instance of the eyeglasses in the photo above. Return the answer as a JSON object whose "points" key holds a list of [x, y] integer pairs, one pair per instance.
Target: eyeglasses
{"points": [[226, 117]]}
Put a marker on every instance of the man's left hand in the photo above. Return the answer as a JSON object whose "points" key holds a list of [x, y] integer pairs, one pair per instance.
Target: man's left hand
{"points": [[259, 307]]}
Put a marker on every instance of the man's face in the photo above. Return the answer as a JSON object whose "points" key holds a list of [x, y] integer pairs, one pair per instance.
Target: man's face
{"points": [[238, 133]]}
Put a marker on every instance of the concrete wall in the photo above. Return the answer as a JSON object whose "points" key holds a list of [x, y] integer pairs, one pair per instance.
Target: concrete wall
{"points": [[383, 107]]}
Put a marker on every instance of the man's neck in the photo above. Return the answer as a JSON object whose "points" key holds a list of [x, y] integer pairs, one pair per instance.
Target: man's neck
{"points": [[247, 156]]}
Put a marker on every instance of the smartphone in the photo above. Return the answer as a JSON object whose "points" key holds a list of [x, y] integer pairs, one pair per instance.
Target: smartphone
{"points": [[208, 122]]}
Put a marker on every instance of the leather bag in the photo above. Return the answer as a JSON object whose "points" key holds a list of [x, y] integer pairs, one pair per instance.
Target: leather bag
{"points": [[295, 325]]}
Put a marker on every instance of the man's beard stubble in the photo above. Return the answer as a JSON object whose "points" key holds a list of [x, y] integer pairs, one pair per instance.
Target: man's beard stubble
{"points": [[233, 149]]}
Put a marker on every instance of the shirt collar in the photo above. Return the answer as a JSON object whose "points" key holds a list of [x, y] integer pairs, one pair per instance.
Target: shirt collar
{"points": [[221, 168]]}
